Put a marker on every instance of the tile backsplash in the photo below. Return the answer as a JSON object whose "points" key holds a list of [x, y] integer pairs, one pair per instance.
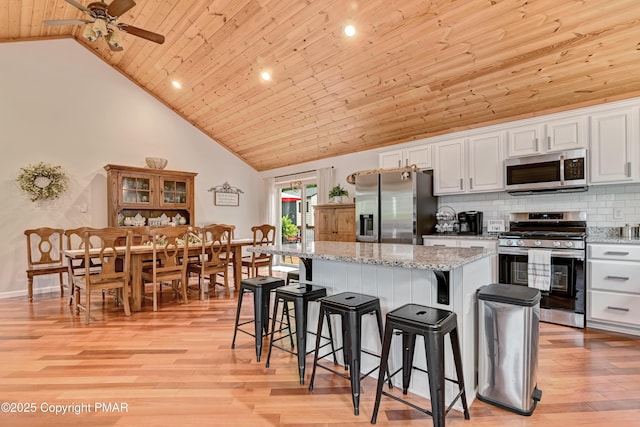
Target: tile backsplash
{"points": [[606, 205]]}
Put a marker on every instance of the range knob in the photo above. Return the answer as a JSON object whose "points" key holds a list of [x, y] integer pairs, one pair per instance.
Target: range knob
{"points": [[568, 244], [556, 244], [520, 242], [537, 243]]}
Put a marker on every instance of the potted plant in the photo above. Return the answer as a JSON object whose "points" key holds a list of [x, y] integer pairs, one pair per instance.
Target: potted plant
{"points": [[337, 194]]}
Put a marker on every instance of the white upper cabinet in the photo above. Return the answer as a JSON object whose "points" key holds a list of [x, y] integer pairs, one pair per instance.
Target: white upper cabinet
{"points": [[486, 155], [449, 169], [524, 140], [565, 134], [615, 151], [470, 165], [419, 155], [547, 136]]}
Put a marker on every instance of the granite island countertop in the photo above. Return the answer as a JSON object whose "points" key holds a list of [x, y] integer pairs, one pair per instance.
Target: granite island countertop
{"points": [[388, 254]]}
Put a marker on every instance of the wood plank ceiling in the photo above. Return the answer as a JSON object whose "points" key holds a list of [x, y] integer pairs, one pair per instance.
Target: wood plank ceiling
{"points": [[414, 69]]}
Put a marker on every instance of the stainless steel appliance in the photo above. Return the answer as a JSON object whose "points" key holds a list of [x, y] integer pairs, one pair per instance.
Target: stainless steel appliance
{"points": [[470, 222], [564, 171], [508, 336], [395, 207], [564, 234]]}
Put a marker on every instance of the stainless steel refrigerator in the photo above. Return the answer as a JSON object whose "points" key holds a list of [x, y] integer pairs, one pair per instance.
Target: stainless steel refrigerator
{"points": [[395, 207]]}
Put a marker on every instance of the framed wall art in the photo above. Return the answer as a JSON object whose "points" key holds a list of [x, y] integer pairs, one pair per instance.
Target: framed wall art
{"points": [[226, 195]]}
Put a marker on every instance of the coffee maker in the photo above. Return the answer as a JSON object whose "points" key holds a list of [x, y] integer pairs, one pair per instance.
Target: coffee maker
{"points": [[470, 222]]}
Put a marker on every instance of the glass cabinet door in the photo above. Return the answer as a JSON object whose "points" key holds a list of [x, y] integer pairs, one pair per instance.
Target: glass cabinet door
{"points": [[174, 191], [136, 190]]}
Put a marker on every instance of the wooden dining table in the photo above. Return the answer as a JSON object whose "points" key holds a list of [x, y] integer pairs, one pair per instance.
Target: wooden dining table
{"points": [[142, 253]]}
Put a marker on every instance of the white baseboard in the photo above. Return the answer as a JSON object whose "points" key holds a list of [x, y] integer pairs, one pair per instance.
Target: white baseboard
{"points": [[25, 293]]}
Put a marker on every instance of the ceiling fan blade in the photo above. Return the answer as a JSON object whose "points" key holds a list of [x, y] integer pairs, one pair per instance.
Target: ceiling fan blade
{"points": [[118, 7], [154, 37], [79, 6], [66, 21]]}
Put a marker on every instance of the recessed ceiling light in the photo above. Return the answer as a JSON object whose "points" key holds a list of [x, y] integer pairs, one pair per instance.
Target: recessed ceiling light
{"points": [[265, 76], [350, 30], [176, 84]]}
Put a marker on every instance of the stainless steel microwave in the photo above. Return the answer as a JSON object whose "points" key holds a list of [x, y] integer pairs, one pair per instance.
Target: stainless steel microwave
{"points": [[554, 172]]}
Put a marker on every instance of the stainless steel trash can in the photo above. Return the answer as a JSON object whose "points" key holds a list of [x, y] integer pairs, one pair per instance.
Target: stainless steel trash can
{"points": [[508, 332]]}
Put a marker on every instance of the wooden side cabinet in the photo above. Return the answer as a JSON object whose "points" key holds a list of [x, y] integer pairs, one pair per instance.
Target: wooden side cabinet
{"points": [[148, 192], [335, 222]]}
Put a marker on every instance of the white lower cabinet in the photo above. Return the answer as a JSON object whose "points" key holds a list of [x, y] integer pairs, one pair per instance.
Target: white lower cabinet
{"points": [[455, 242], [613, 287]]}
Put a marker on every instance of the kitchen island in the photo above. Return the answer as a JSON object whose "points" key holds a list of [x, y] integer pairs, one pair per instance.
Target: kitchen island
{"points": [[440, 277]]}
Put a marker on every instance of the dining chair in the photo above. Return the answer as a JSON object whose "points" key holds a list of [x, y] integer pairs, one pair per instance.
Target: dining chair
{"points": [[44, 255], [214, 257], [170, 261], [74, 238], [263, 235], [231, 237], [111, 249], [231, 227]]}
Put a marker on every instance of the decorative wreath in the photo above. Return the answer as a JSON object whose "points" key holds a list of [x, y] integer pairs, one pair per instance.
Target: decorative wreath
{"points": [[42, 181]]}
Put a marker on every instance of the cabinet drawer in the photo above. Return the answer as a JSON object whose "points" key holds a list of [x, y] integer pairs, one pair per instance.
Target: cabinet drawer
{"points": [[440, 242], [619, 308], [617, 252], [485, 244], [617, 276]]}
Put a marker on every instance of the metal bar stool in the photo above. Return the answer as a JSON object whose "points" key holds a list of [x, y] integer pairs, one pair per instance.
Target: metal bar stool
{"points": [[432, 324], [300, 295], [293, 276], [351, 307], [261, 287]]}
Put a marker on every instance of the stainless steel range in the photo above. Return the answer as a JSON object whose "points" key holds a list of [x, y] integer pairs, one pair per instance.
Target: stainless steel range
{"points": [[564, 235]]}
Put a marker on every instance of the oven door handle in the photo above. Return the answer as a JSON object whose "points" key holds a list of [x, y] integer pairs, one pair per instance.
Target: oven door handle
{"points": [[554, 253]]}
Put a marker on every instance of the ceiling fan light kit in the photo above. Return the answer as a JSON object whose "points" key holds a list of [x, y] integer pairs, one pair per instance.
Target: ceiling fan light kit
{"points": [[115, 40], [103, 22], [100, 27], [89, 34]]}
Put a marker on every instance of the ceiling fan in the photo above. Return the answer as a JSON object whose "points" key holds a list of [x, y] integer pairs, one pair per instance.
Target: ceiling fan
{"points": [[103, 22]]}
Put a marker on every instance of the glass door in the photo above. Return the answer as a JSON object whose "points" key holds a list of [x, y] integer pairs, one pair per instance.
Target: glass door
{"points": [[296, 213]]}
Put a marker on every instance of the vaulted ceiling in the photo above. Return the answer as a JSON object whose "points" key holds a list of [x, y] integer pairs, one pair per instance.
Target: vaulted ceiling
{"points": [[414, 69]]}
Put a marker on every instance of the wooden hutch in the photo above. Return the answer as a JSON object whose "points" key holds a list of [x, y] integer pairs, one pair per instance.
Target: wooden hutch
{"points": [[335, 222], [148, 192]]}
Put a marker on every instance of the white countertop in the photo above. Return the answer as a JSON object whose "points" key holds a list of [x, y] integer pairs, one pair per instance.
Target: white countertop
{"points": [[484, 236], [613, 240], [389, 254]]}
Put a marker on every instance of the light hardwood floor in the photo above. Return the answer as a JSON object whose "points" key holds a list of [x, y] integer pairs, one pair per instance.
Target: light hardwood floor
{"points": [[175, 367]]}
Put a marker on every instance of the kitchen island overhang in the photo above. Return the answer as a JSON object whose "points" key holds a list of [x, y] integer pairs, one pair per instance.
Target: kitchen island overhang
{"points": [[440, 277]]}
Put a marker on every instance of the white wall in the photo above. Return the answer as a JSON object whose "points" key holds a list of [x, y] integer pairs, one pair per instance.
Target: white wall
{"points": [[61, 104]]}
